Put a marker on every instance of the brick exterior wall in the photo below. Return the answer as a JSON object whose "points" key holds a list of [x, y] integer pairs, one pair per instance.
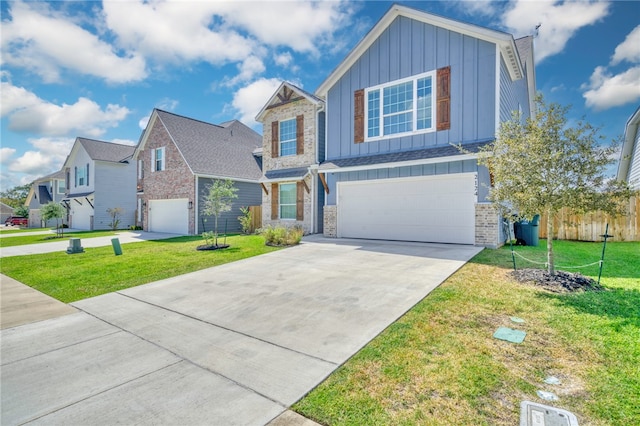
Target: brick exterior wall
{"points": [[286, 111], [331, 221], [487, 226], [175, 181], [306, 224]]}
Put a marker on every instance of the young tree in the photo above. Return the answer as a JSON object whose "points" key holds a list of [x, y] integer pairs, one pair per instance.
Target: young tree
{"points": [[115, 214], [53, 210], [22, 211], [544, 164], [219, 199]]}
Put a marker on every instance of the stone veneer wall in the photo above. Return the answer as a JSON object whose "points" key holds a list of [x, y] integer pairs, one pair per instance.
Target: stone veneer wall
{"points": [[487, 226], [331, 221], [307, 213]]}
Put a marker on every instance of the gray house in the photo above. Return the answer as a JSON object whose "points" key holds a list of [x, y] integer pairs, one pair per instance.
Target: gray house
{"points": [[629, 166], [179, 158], [99, 176], [43, 191], [416, 85], [5, 212]]}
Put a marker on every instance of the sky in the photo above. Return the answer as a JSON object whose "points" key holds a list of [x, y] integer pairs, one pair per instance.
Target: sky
{"points": [[97, 69]]}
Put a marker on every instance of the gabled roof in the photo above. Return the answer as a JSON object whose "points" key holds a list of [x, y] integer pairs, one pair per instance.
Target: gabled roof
{"points": [[284, 95], [504, 40], [107, 151], [629, 147], [4, 208], [219, 151], [56, 175]]}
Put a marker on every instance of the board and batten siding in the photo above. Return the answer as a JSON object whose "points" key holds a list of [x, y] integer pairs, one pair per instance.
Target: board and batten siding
{"points": [[406, 48], [115, 186], [513, 95], [249, 194]]}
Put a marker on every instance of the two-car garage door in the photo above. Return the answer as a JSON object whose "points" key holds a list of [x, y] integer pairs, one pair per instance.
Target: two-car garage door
{"points": [[427, 208], [171, 216]]}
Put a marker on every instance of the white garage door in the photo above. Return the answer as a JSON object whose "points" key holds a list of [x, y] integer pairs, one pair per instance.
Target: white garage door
{"points": [[171, 216], [427, 208]]}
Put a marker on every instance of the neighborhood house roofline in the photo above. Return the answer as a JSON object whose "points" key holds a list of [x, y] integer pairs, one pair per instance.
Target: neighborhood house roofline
{"points": [[505, 42], [630, 137], [303, 93]]}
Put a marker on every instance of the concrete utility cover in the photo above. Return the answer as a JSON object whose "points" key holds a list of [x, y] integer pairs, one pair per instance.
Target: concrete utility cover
{"points": [[532, 414], [510, 335]]}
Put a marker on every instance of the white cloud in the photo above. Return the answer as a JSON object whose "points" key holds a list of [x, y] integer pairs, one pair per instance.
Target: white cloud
{"points": [[249, 100], [49, 156], [125, 142], [606, 90], [45, 118], [249, 68], [6, 154], [560, 21], [283, 59], [42, 40], [168, 104], [476, 7], [629, 49], [144, 121]]}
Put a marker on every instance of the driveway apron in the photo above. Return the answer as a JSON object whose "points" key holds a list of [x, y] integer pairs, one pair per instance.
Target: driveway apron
{"points": [[234, 344]]}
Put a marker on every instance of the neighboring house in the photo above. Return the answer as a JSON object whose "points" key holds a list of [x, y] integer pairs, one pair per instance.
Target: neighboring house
{"points": [[5, 212], [414, 87], [99, 176], [629, 166], [179, 158], [292, 148], [43, 191]]}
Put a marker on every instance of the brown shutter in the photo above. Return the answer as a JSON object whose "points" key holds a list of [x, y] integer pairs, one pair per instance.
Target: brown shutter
{"points": [[300, 134], [358, 116], [300, 201], [275, 201], [443, 99], [275, 139]]}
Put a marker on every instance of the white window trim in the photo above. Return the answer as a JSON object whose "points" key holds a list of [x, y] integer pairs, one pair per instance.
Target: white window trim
{"points": [[295, 203], [381, 87], [140, 169], [153, 160], [280, 136], [58, 187]]}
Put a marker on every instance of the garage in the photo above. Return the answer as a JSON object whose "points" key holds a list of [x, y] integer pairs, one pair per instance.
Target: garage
{"points": [[170, 216], [427, 208]]}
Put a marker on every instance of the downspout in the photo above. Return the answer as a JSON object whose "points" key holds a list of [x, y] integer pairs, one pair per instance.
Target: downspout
{"points": [[195, 206]]}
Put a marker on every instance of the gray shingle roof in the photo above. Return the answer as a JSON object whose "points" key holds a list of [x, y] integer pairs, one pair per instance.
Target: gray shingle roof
{"points": [[208, 149], [397, 157], [57, 175], [107, 151], [524, 45]]}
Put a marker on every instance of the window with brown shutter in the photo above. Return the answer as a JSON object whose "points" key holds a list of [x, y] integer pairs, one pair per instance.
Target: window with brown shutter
{"points": [[275, 139], [300, 135], [300, 201], [443, 99], [358, 116], [275, 201]]}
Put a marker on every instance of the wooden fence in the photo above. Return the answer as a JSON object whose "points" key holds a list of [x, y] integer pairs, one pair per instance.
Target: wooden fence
{"points": [[256, 217], [590, 226]]}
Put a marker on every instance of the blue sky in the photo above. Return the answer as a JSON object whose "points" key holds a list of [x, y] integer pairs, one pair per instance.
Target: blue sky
{"points": [[97, 69]]}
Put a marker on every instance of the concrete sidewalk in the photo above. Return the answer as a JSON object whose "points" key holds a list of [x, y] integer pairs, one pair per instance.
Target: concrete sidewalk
{"points": [[234, 344], [125, 237]]}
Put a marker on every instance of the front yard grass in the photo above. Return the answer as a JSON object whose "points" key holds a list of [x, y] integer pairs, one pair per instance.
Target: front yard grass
{"points": [[22, 240], [440, 365], [98, 271]]}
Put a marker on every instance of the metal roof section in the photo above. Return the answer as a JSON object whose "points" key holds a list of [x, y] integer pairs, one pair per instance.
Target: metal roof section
{"points": [[297, 173]]}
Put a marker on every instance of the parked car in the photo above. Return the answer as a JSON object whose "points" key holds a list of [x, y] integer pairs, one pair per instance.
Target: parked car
{"points": [[16, 220]]}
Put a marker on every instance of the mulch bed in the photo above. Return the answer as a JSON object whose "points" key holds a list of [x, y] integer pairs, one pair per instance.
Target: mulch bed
{"points": [[212, 247], [561, 282]]}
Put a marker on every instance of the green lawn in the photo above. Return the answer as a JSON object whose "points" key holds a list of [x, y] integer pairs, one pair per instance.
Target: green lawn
{"points": [[7, 230], [439, 365], [97, 271], [23, 240]]}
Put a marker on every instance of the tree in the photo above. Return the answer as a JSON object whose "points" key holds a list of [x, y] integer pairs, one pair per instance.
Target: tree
{"points": [[22, 211], [115, 214], [219, 199], [543, 164], [16, 196], [53, 210]]}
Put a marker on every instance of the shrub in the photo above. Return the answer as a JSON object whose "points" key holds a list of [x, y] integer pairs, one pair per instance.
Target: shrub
{"points": [[245, 219], [282, 236]]}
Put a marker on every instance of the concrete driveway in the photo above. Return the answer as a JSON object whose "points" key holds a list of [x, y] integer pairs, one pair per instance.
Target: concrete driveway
{"points": [[234, 344]]}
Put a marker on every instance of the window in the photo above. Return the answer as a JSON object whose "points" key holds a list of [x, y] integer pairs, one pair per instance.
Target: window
{"points": [[288, 200], [400, 107], [61, 187], [157, 159], [81, 176], [288, 137], [140, 169]]}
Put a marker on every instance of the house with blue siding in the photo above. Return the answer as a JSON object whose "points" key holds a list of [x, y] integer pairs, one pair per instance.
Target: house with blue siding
{"points": [[49, 188], [178, 158], [416, 86], [629, 165], [99, 176]]}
